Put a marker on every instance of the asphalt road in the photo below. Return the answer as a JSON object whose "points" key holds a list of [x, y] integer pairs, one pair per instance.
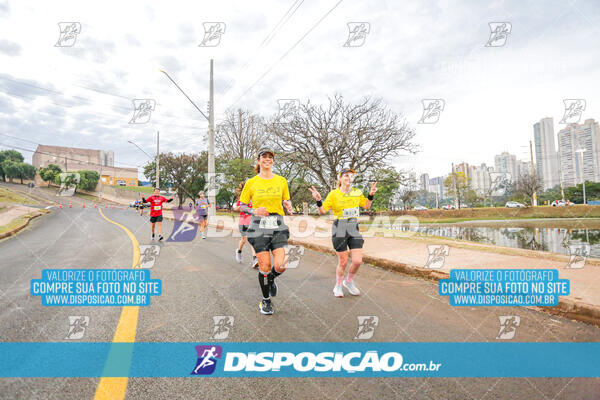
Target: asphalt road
{"points": [[201, 279]]}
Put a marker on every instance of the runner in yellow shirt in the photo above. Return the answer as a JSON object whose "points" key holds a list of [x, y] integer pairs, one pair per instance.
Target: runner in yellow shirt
{"points": [[345, 202], [267, 232]]}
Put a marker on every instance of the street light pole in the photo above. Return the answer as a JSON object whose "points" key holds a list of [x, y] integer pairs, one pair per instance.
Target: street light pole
{"points": [[211, 135], [157, 160], [581, 151]]}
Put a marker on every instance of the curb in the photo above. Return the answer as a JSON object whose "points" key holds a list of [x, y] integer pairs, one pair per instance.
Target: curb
{"points": [[18, 228], [568, 308]]}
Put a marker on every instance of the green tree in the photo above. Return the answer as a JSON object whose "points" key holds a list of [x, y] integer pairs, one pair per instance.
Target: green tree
{"points": [[225, 197], [462, 183], [150, 173], [27, 171], [88, 180], [10, 155], [388, 182], [49, 173], [11, 169]]}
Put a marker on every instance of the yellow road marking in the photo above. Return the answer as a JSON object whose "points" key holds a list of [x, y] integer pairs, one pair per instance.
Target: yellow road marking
{"points": [[114, 388]]}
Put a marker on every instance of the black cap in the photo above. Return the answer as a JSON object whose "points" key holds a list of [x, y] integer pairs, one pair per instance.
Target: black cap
{"points": [[344, 170], [266, 150]]}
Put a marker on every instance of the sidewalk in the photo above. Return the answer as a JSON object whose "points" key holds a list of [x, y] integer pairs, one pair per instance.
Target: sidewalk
{"points": [[409, 255]]}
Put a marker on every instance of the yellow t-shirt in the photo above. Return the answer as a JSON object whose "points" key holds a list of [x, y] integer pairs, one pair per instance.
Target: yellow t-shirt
{"points": [[268, 193], [344, 205]]}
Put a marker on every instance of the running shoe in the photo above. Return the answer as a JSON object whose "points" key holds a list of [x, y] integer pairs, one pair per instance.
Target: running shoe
{"points": [[254, 262], [273, 289], [351, 288], [238, 256], [266, 307], [203, 235], [160, 237], [337, 291], [153, 236]]}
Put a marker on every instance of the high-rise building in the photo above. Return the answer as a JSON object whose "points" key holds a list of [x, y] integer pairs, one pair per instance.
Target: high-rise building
{"points": [[506, 162], [545, 153], [480, 178], [436, 185], [462, 167], [575, 137], [424, 182], [523, 168]]}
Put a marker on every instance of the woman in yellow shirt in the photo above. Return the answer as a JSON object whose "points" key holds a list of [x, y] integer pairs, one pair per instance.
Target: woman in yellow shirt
{"points": [[267, 232], [345, 202]]}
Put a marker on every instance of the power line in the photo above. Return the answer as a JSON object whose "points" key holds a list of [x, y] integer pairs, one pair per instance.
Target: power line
{"points": [[287, 52]]}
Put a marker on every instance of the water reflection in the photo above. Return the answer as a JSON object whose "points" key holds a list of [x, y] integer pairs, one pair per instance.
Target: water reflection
{"points": [[554, 240]]}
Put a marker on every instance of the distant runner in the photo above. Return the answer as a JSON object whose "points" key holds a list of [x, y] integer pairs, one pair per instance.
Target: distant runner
{"points": [[202, 205], [345, 202], [156, 201], [243, 225]]}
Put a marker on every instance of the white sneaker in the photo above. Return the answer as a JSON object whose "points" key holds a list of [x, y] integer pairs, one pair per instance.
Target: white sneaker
{"points": [[203, 235], [351, 288], [337, 291], [238, 256]]}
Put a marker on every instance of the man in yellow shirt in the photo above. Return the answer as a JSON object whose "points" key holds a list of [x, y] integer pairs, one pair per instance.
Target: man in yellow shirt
{"points": [[345, 202], [267, 232]]}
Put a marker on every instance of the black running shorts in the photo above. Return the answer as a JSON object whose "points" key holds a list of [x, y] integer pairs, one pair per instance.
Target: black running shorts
{"points": [[345, 235], [157, 218], [263, 239]]}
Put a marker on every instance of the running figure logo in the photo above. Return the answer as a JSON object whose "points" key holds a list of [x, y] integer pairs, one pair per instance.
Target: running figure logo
{"points": [[288, 109], [207, 359], [432, 109], [77, 325], [578, 254], [437, 255], [499, 183], [68, 183], [148, 254], [366, 326], [222, 325], [508, 326], [184, 230], [212, 34], [293, 254], [68, 34], [499, 32], [142, 110], [357, 33], [573, 110]]}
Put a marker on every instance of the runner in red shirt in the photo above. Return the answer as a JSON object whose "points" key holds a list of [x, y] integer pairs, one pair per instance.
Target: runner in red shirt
{"points": [[243, 224], [156, 201]]}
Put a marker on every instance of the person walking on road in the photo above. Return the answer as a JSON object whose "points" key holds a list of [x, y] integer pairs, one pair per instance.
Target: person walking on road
{"points": [[243, 224], [156, 208], [202, 205], [267, 232], [345, 202]]}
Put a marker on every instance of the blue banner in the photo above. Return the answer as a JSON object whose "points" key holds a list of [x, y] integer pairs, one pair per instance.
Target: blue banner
{"points": [[294, 359], [95, 287], [504, 287]]}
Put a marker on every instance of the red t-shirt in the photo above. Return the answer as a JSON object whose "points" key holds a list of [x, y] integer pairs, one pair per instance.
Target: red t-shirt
{"points": [[156, 205], [244, 218]]}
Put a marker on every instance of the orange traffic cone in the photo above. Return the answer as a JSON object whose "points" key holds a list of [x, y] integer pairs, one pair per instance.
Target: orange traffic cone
{"points": [[95, 206], [83, 205], [70, 205], [60, 206]]}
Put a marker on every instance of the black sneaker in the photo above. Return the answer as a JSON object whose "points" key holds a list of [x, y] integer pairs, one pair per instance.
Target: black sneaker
{"points": [[273, 289], [153, 236], [160, 238], [266, 307]]}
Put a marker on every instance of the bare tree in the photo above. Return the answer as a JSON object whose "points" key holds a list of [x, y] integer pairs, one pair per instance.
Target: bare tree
{"points": [[240, 135], [528, 184], [323, 139]]}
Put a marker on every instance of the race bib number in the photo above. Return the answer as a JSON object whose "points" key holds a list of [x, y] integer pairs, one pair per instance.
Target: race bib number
{"points": [[157, 208], [350, 213], [269, 222]]}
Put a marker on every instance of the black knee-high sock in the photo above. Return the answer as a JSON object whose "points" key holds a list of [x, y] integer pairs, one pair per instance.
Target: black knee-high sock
{"points": [[273, 274], [263, 280]]}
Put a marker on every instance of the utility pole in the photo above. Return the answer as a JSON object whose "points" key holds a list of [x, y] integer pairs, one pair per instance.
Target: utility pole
{"points": [[157, 160], [562, 192], [456, 206], [241, 134], [534, 195], [212, 212]]}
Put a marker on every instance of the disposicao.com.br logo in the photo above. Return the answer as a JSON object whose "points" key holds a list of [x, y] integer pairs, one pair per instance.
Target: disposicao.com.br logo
{"points": [[326, 362]]}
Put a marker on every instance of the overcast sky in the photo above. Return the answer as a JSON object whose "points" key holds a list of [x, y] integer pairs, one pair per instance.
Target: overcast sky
{"points": [[82, 95]]}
